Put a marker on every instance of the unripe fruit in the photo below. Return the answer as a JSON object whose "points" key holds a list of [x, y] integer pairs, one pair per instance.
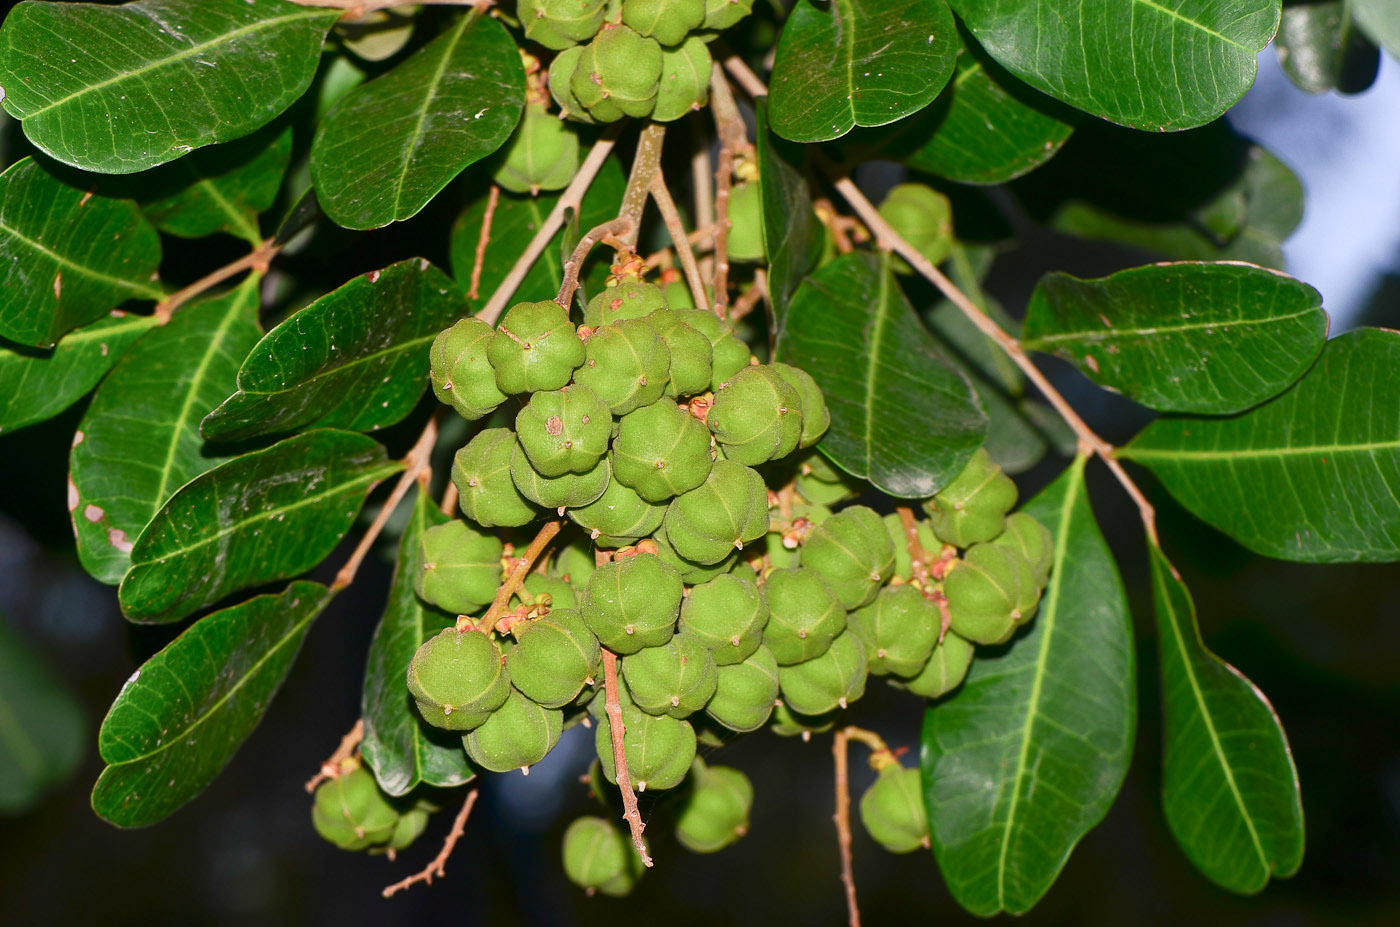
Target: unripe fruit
{"points": [[541, 155], [973, 507], [729, 355], [627, 365], [728, 615], [836, 678], [721, 14], [457, 678], [691, 354], [659, 749], [923, 217], [558, 492], [461, 567], [745, 692], [724, 513], [899, 630], [538, 587], [757, 416], [560, 24], [617, 74], [986, 591], [561, 72], [535, 348], [853, 552], [892, 810], [746, 223], [815, 416], [667, 21], [716, 812], [945, 670], [789, 723], [804, 615], [685, 84], [574, 561], [486, 492], [632, 603], [1032, 540], [630, 299], [409, 828], [692, 573], [461, 373], [554, 658], [565, 430], [599, 857], [903, 562], [350, 811], [820, 483], [676, 678], [517, 735], [661, 451], [618, 517]]}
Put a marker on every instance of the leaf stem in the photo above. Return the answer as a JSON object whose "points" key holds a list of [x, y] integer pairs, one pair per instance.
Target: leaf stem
{"points": [[483, 239], [519, 572], [733, 137], [646, 165], [613, 704], [438, 867], [614, 229], [672, 217], [256, 260]]}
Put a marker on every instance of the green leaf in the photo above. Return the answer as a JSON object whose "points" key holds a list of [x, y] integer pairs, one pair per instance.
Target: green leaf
{"points": [[1149, 64], [513, 223], [356, 358], [139, 440], [855, 63], [792, 234], [67, 257], [256, 519], [390, 145], [901, 415], [182, 716], [1190, 337], [1321, 48], [402, 749], [1379, 19], [1310, 476], [119, 89], [1229, 788], [42, 729], [39, 383], [1028, 756]]}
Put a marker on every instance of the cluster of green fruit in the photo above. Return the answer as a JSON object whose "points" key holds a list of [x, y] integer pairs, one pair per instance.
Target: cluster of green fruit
{"points": [[351, 812]]}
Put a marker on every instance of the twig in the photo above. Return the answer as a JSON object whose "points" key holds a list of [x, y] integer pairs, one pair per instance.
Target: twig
{"points": [[256, 260], [519, 572], [676, 227], [614, 229], [438, 867], [449, 499], [918, 557], [613, 704], [331, 767], [750, 298], [354, 9], [733, 137], [702, 179], [697, 240], [843, 823], [646, 165], [483, 240], [416, 463], [745, 78]]}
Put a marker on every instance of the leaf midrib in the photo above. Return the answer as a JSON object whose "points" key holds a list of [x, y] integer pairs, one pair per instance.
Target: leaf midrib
{"points": [[135, 286], [414, 139], [1191, 22], [1312, 450], [397, 347], [1111, 334], [877, 337]]}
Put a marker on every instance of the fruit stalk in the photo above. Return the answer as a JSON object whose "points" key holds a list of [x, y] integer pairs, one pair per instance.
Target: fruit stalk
{"points": [[613, 706]]}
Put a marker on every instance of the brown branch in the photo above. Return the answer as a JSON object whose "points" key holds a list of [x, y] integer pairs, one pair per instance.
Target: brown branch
{"points": [[256, 260], [702, 179], [918, 557], [519, 572], [750, 298], [646, 165], [744, 77], [331, 767], [492, 199], [733, 138], [842, 817], [613, 229], [438, 867], [354, 9], [613, 704], [449, 499], [672, 217]]}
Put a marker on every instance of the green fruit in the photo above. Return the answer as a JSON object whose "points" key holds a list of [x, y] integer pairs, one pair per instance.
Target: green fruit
{"points": [[558, 492], [461, 568], [1031, 540], [721, 14], [692, 573], [899, 630], [745, 223], [822, 484], [815, 416], [757, 416], [554, 658], [409, 828], [923, 217], [834, 679], [728, 615], [517, 735], [727, 511], [853, 552], [691, 354], [632, 603], [541, 155], [619, 516], [789, 723], [627, 365], [987, 590], [565, 430], [535, 348], [892, 810], [574, 561], [659, 748], [945, 670], [561, 72], [661, 451], [716, 812], [599, 857], [804, 615], [729, 355], [667, 21], [350, 811], [685, 80], [903, 562], [630, 299], [486, 492], [745, 692], [617, 74], [676, 678], [461, 373], [458, 678], [973, 507], [560, 24], [548, 590]]}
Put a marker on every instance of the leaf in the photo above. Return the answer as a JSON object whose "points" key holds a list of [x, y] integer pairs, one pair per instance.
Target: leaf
{"points": [[901, 416], [356, 358], [402, 749], [1029, 754], [182, 716], [390, 145], [43, 733], [67, 257], [1189, 337], [39, 383], [1310, 476], [256, 519], [858, 63], [1229, 788], [1380, 20], [119, 89], [792, 234], [1321, 48], [1148, 64], [513, 224], [139, 440]]}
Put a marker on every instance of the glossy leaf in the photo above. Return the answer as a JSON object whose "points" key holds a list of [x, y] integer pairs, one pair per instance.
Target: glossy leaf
{"points": [[1205, 338], [792, 234], [390, 145], [901, 415], [1312, 475], [1380, 20], [119, 89], [39, 383], [356, 358], [43, 733], [1149, 64], [139, 440], [402, 749], [182, 716], [67, 257], [1321, 48], [1026, 758], [258, 518], [1229, 787], [852, 63]]}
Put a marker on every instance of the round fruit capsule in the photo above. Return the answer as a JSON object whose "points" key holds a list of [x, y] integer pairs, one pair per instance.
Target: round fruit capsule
{"points": [[692, 573], [560, 24], [565, 491], [409, 828], [461, 373], [574, 562], [923, 217], [853, 552], [518, 735], [815, 416], [892, 810], [535, 348], [722, 514], [458, 678], [561, 72], [685, 85], [899, 630], [834, 679], [727, 614], [629, 299], [973, 507], [618, 517], [599, 857], [746, 223], [729, 355], [1032, 540], [757, 416], [716, 812], [617, 74], [985, 589], [486, 492], [554, 658], [627, 365], [351, 812], [661, 451], [945, 670], [692, 356], [667, 21], [721, 14], [659, 748], [804, 615], [565, 430], [677, 678], [541, 155], [632, 603], [461, 567], [745, 692], [789, 723]]}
